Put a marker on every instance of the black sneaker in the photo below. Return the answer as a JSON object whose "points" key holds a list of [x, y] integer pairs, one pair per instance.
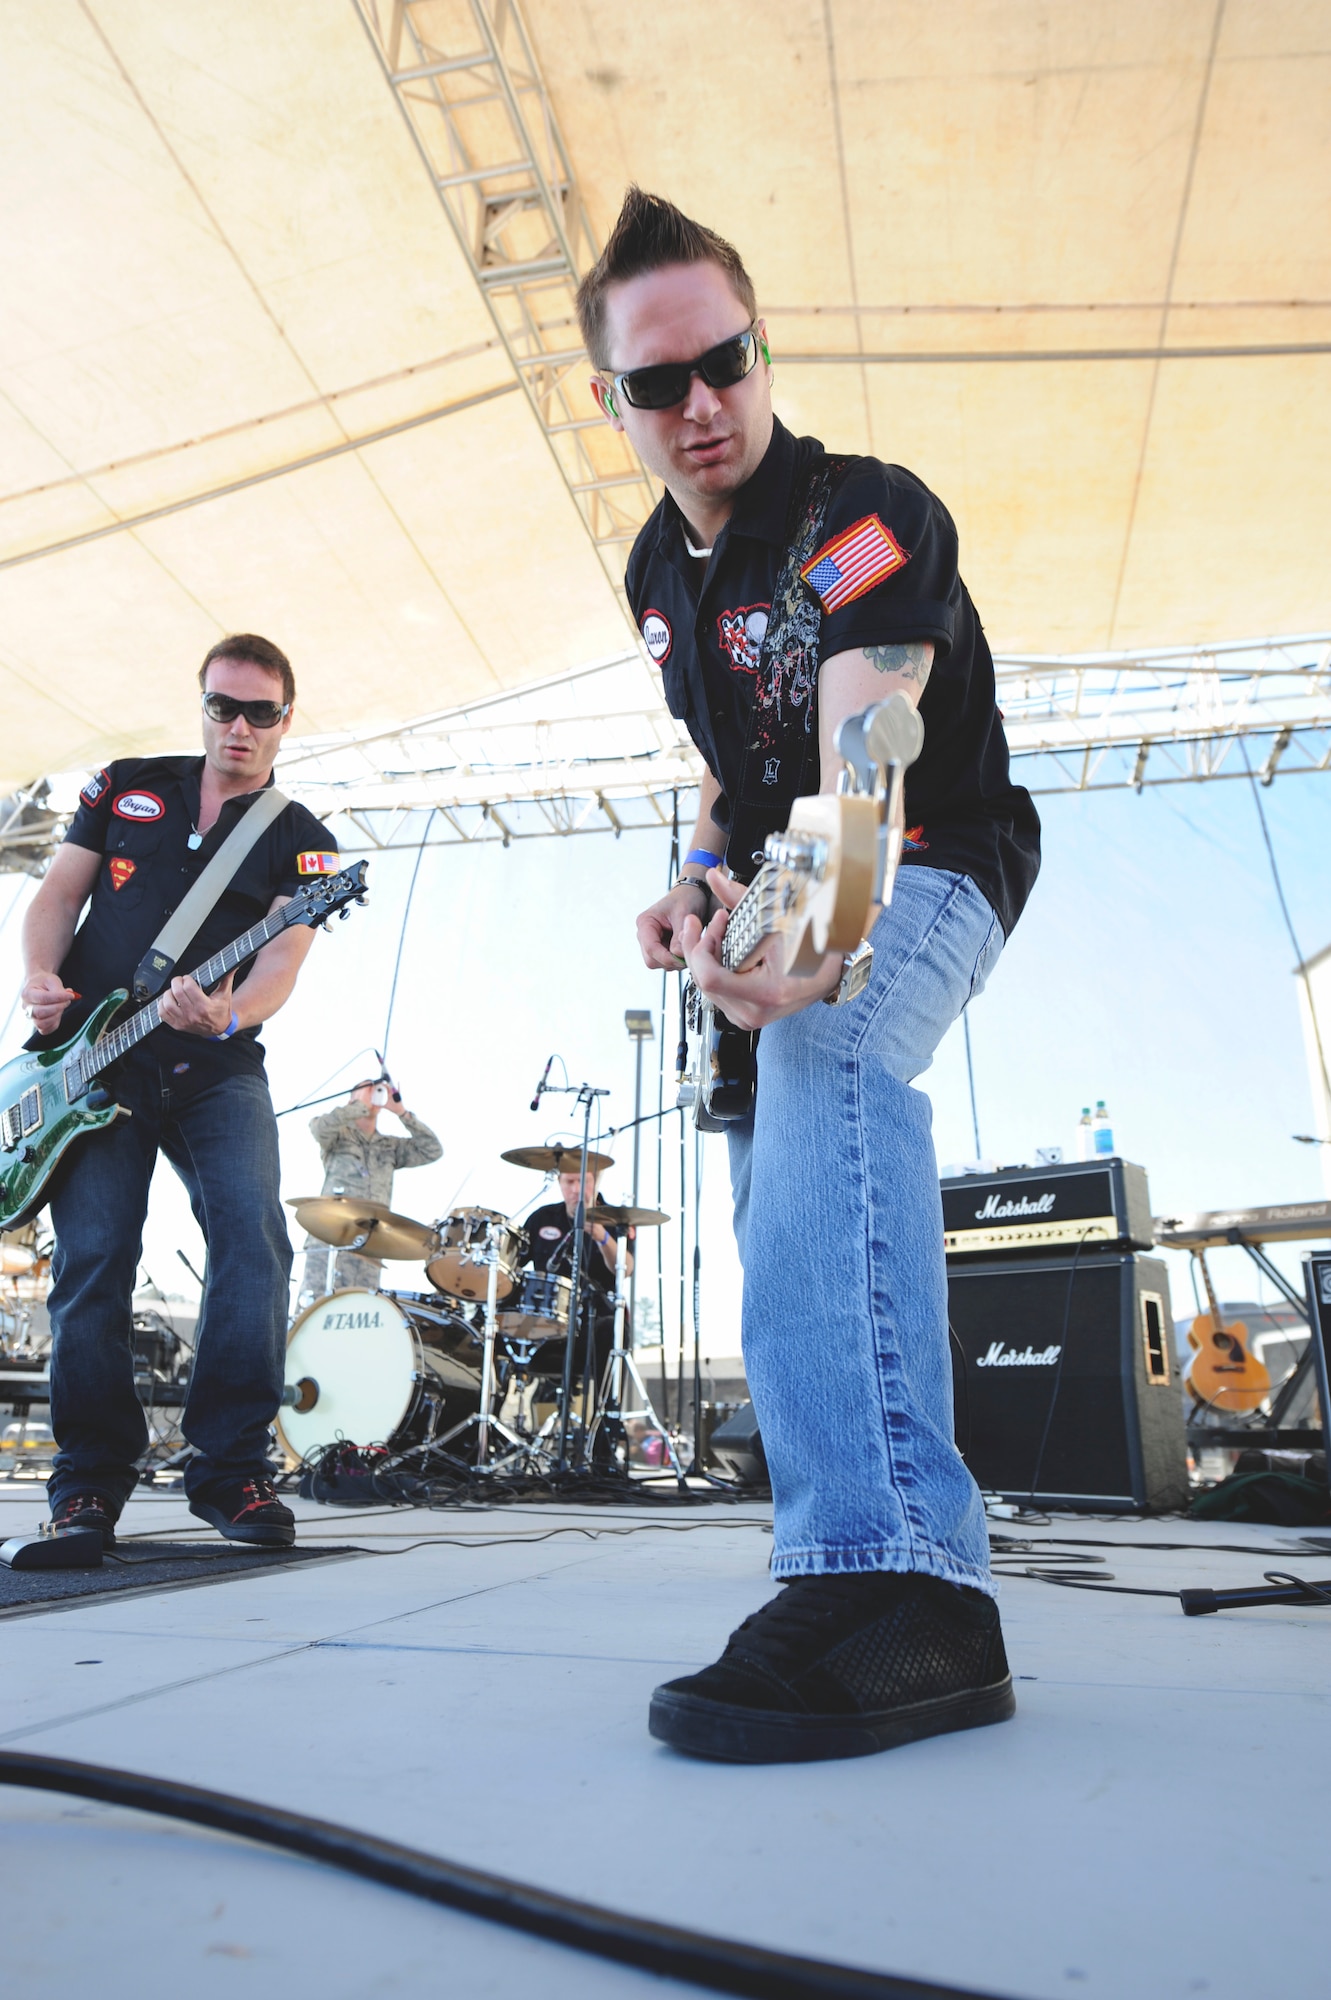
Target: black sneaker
{"points": [[839, 1666], [246, 1510], [86, 1510]]}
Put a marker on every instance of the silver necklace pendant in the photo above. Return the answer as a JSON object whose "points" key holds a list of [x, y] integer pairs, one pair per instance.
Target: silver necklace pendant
{"points": [[195, 840]]}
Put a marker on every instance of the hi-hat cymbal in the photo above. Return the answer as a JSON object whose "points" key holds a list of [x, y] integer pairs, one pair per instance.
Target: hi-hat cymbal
{"points": [[627, 1217], [555, 1159], [340, 1218]]}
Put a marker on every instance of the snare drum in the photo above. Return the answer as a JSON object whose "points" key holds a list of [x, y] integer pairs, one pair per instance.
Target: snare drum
{"points": [[461, 1264], [371, 1370], [540, 1308]]}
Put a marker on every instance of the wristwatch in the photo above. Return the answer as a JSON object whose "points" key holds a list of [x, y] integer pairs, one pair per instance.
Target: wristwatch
{"points": [[855, 969]]}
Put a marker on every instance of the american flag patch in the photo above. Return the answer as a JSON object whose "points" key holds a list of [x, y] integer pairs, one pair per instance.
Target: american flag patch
{"points": [[856, 560]]}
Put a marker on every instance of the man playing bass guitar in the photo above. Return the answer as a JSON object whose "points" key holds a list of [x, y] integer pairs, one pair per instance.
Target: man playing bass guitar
{"points": [[780, 590], [195, 1090]]}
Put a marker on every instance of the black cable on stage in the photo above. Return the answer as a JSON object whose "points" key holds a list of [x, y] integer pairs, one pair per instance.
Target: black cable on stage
{"points": [[664, 1950]]}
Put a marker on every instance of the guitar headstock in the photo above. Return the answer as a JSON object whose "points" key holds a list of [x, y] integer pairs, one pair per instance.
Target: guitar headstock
{"points": [[322, 899]]}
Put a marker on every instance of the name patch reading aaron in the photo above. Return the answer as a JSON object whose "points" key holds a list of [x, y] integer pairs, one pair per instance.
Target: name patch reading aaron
{"points": [[316, 864], [138, 805], [853, 562], [121, 870], [657, 636]]}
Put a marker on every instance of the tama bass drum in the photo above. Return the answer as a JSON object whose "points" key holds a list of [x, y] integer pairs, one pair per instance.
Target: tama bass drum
{"points": [[369, 1369]]}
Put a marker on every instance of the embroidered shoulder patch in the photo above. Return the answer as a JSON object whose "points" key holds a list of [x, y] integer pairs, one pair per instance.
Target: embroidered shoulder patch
{"points": [[854, 562], [94, 788], [657, 636], [121, 870], [316, 864]]}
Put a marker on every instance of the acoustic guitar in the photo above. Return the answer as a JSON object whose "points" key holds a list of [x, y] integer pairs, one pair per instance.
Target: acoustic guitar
{"points": [[819, 883], [1220, 1372], [49, 1098]]}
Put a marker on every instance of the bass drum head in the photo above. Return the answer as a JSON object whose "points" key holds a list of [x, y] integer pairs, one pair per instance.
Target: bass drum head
{"points": [[358, 1351]]}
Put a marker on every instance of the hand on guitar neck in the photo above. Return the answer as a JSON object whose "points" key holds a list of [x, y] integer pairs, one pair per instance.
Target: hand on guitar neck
{"points": [[764, 990]]}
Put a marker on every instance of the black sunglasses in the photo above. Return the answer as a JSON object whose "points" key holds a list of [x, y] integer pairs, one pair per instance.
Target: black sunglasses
{"points": [[259, 714], [667, 383]]}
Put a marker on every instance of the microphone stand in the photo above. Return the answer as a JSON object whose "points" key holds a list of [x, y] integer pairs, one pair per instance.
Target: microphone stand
{"points": [[586, 1095]]}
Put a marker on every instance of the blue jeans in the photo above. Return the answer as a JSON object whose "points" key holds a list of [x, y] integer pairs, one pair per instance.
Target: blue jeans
{"points": [[840, 1229], [216, 1127]]}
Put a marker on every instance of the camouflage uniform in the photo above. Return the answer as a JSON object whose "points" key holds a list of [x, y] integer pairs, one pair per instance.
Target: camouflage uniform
{"points": [[364, 1166]]}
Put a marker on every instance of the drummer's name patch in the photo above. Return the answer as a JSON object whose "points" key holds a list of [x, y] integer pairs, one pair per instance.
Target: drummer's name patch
{"points": [[346, 1322], [549, 1234], [316, 864]]}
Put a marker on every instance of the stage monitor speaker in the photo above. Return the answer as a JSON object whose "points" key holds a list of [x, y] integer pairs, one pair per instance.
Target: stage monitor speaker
{"points": [[1070, 1395], [737, 1448]]}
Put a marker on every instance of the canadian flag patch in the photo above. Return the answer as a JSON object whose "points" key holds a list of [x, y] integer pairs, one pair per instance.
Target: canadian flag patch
{"points": [[316, 864]]}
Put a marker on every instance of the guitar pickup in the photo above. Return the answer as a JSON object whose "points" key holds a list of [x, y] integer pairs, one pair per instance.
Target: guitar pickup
{"points": [[30, 1111]]}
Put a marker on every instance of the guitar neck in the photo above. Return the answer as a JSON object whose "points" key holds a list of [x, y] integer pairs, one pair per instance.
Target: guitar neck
{"points": [[756, 916], [1211, 1299], [127, 1034]]}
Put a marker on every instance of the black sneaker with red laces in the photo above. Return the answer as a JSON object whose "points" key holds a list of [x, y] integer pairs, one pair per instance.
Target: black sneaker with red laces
{"points": [[86, 1510], [840, 1666], [246, 1510]]}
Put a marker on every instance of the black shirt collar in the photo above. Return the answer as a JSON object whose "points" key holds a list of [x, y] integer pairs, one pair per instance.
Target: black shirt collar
{"points": [[762, 505], [191, 790]]}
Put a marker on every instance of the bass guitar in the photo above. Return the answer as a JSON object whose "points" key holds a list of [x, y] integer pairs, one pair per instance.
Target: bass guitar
{"points": [[51, 1097], [815, 892], [1221, 1372]]}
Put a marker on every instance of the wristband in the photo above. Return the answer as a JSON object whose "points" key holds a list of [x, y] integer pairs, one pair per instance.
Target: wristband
{"points": [[694, 882], [230, 1029], [703, 855]]}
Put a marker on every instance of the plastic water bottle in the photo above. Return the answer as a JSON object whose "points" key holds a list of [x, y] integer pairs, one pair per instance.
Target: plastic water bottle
{"points": [[1084, 1140], [1102, 1132]]}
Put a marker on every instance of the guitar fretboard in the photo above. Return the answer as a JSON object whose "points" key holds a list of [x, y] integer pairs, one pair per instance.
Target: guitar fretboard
{"points": [[753, 918], [118, 1041]]}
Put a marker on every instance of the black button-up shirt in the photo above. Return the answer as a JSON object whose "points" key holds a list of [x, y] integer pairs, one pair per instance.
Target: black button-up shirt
{"points": [[962, 810], [139, 814]]}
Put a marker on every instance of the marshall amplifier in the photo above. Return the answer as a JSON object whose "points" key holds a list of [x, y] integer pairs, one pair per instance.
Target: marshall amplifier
{"points": [[1025, 1211], [1069, 1395]]}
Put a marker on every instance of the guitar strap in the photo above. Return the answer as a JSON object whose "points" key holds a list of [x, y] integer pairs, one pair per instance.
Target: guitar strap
{"points": [[781, 748], [158, 963]]}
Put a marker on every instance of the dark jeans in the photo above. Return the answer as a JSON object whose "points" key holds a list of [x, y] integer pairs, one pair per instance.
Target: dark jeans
{"points": [[215, 1125]]}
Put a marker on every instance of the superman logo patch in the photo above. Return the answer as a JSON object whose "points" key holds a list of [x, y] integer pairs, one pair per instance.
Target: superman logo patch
{"points": [[121, 870]]}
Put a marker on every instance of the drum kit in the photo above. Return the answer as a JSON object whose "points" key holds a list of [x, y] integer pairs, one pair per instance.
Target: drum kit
{"points": [[455, 1376]]}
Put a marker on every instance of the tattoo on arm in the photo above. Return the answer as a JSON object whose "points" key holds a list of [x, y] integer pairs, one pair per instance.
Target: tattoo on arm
{"points": [[912, 661]]}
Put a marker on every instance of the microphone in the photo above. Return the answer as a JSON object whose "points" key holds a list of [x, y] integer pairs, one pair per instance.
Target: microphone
{"points": [[535, 1104]]}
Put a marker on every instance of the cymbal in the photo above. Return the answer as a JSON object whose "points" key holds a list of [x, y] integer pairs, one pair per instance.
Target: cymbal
{"points": [[627, 1217], [340, 1218], [555, 1159]]}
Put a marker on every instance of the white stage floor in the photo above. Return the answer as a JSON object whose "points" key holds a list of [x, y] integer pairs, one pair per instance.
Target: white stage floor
{"points": [[1155, 1823]]}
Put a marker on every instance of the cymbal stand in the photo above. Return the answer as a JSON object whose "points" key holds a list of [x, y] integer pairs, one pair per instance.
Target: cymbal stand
{"points": [[621, 1361], [485, 1420], [586, 1095]]}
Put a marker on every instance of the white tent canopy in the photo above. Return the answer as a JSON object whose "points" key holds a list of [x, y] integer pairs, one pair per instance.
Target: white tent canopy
{"points": [[1071, 264]]}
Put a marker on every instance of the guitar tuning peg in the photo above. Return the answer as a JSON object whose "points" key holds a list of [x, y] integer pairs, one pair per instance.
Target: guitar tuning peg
{"points": [[344, 913]]}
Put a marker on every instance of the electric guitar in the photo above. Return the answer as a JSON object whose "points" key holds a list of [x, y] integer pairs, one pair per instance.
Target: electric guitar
{"points": [[51, 1097], [1220, 1372], [814, 893]]}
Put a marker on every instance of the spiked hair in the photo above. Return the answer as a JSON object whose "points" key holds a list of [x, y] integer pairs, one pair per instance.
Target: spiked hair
{"points": [[649, 233]]}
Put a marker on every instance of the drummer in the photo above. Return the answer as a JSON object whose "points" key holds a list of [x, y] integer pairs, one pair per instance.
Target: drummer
{"points": [[550, 1233], [360, 1160]]}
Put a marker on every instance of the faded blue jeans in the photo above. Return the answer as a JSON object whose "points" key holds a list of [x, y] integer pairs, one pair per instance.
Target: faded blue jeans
{"points": [[215, 1124], [840, 1229]]}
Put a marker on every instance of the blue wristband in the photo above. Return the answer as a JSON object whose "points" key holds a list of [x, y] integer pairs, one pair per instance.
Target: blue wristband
{"points": [[702, 855], [231, 1028]]}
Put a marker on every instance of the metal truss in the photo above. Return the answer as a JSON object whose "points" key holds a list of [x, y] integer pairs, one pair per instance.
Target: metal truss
{"points": [[1100, 722], [596, 751], [466, 80]]}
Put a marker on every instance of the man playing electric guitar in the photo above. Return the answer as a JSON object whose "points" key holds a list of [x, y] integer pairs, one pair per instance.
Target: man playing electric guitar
{"points": [[780, 590], [196, 1091]]}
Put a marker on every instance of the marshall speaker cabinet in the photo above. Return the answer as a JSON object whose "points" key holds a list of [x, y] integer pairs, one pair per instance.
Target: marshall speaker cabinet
{"points": [[1068, 1394]]}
